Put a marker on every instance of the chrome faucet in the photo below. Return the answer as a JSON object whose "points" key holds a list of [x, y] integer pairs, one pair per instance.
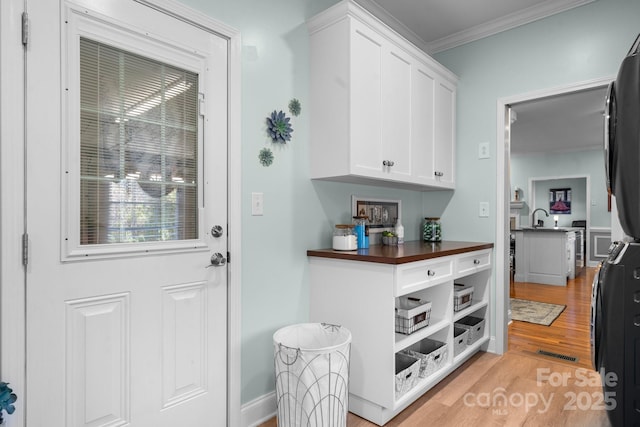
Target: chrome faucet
{"points": [[533, 216]]}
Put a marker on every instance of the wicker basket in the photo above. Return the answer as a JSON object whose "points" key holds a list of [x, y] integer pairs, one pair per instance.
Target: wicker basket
{"points": [[462, 296], [432, 354], [407, 373], [474, 325], [412, 314]]}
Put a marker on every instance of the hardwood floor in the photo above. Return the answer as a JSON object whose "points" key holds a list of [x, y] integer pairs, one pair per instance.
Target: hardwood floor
{"points": [[569, 333], [493, 390]]}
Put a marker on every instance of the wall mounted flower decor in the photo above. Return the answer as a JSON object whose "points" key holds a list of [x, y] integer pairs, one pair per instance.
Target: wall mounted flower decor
{"points": [[278, 127], [294, 107], [265, 157], [7, 399]]}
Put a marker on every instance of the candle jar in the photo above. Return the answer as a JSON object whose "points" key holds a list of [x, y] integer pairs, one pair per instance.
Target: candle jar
{"points": [[432, 230]]}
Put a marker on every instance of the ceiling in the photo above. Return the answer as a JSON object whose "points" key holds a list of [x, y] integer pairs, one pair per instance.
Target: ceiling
{"points": [[436, 25], [560, 123], [569, 122]]}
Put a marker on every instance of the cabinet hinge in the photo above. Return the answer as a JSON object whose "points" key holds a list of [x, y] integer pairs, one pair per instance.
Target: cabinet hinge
{"points": [[228, 257], [25, 249], [25, 29]]}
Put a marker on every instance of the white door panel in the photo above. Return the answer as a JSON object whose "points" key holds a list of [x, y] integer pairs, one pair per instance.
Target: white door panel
{"points": [[130, 333]]}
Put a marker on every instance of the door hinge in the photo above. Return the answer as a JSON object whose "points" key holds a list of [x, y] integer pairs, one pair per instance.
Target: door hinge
{"points": [[25, 249], [25, 29], [228, 257]]}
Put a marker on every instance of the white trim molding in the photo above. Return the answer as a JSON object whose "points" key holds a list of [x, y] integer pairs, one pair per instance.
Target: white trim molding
{"points": [[259, 410], [12, 275], [486, 29], [502, 200], [504, 23]]}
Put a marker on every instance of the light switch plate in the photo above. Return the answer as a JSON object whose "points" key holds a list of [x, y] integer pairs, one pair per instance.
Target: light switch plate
{"points": [[257, 204], [483, 150], [484, 210]]}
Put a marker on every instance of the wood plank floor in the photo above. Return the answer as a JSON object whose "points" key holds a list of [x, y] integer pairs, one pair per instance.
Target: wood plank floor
{"points": [[569, 333], [472, 394]]}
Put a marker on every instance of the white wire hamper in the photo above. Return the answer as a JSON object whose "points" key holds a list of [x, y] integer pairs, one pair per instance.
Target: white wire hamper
{"points": [[312, 375]]}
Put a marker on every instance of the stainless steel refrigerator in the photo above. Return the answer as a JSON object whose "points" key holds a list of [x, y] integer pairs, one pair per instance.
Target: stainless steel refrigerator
{"points": [[615, 301]]}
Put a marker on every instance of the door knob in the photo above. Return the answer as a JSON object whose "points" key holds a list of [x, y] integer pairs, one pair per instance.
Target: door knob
{"points": [[216, 231], [217, 260]]}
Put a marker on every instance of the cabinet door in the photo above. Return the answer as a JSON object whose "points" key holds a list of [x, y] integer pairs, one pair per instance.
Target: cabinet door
{"points": [[396, 114], [445, 98], [366, 101], [422, 127]]}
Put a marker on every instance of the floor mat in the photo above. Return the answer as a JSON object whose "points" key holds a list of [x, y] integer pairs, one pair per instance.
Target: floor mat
{"points": [[540, 313]]}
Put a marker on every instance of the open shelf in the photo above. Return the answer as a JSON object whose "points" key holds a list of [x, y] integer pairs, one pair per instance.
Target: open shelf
{"points": [[403, 341], [475, 306]]}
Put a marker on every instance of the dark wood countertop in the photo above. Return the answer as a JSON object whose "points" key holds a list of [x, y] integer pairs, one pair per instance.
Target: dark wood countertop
{"points": [[407, 252]]}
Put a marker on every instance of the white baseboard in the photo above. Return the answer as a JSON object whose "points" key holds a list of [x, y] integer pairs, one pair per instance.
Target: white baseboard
{"points": [[491, 348], [258, 410]]}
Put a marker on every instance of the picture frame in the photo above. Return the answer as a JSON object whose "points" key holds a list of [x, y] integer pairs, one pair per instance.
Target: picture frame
{"points": [[559, 201], [382, 213]]}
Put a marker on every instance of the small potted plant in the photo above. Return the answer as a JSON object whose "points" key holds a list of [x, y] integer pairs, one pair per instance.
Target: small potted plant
{"points": [[389, 238], [7, 399]]}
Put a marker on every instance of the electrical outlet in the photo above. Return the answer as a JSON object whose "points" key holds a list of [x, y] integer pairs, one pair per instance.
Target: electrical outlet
{"points": [[483, 150], [257, 202], [484, 210]]}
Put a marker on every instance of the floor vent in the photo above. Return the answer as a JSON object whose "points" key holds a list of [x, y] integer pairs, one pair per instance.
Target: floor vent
{"points": [[558, 356]]}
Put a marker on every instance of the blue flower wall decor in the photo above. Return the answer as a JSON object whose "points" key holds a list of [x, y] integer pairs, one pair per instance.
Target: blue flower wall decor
{"points": [[279, 127], [294, 107], [265, 157], [7, 399]]}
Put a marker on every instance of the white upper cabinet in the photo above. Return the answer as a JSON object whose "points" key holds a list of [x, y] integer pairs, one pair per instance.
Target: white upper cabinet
{"points": [[382, 111]]}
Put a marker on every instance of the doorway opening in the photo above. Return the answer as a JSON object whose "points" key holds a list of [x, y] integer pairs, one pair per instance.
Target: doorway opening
{"points": [[508, 191]]}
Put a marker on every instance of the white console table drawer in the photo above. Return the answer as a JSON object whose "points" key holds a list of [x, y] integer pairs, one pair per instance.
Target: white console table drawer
{"points": [[471, 263], [415, 276]]}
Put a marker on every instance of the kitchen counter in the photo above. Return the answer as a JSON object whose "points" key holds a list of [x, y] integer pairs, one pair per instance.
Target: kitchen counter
{"points": [[408, 252], [545, 255], [549, 229]]}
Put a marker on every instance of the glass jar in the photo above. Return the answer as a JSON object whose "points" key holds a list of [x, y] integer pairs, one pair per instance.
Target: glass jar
{"points": [[432, 230], [344, 238]]}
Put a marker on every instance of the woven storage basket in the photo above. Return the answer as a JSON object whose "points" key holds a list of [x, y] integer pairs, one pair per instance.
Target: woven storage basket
{"points": [[474, 325], [460, 336], [432, 354], [407, 373]]}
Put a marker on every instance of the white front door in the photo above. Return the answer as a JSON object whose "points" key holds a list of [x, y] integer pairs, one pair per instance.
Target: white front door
{"points": [[126, 180]]}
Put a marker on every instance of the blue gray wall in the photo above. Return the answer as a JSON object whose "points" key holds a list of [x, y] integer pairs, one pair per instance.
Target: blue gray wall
{"points": [[581, 44], [299, 214], [582, 163]]}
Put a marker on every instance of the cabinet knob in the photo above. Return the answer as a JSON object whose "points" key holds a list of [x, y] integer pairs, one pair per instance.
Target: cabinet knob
{"points": [[387, 163], [438, 173], [476, 261], [431, 273]]}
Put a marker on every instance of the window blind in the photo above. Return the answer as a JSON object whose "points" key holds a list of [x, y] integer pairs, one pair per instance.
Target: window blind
{"points": [[138, 148]]}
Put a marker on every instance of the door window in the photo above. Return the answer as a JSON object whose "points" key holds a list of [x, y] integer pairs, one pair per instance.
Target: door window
{"points": [[138, 148]]}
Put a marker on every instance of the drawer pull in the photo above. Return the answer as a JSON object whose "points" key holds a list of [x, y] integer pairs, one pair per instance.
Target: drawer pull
{"points": [[476, 262], [431, 273]]}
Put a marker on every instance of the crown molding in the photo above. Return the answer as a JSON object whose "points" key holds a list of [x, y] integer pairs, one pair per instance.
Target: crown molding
{"points": [[392, 22], [507, 22]]}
